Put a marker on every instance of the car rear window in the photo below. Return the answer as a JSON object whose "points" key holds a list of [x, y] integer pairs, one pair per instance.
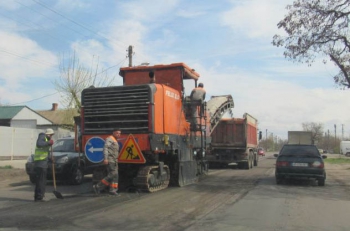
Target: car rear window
{"points": [[299, 150]]}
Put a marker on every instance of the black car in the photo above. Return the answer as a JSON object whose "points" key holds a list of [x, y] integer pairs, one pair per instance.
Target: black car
{"points": [[66, 161], [300, 162]]}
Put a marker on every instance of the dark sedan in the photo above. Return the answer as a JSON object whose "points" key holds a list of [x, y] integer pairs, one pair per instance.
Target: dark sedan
{"points": [[300, 162], [66, 159]]}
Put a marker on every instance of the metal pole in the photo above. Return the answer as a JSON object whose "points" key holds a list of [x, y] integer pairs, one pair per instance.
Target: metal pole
{"points": [[130, 55]]}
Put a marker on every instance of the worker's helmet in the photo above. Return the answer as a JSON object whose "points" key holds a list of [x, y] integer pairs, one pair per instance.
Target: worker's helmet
{"points": [[49, 131], [200, 85]]}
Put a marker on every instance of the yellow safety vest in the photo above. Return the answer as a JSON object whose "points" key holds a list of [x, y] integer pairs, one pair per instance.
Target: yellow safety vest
{"points": [[41, 153]]}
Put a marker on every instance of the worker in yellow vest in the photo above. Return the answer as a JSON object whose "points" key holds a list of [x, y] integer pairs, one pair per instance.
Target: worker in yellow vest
{"points": [[41, 157]]}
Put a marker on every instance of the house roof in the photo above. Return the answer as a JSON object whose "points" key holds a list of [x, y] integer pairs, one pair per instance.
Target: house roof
{"points": [[8, 112], [60, 116]]}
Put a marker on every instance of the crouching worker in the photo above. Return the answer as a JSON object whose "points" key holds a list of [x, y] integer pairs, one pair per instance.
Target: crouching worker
{"points": [[110, 152]]}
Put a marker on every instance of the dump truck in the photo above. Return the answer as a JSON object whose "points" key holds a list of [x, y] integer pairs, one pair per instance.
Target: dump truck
{"points": [[300, 137], [234, 142], [159, 145]]}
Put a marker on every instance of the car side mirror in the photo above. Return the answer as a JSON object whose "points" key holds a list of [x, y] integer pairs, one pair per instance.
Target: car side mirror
{"points": [[275, 155], [324, 157]]}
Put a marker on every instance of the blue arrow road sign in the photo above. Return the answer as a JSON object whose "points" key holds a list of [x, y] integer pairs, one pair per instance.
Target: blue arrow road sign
{"points": [[94, 149]]}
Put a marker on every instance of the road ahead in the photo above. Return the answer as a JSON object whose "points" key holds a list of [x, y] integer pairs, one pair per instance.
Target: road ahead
{"points": [[227, 199]]}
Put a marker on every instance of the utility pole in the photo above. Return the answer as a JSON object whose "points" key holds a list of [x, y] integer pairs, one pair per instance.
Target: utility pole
{"points": [[328, 141], [266, 140], [130, 53], [342, 132], [273, 143], [335, 133]]}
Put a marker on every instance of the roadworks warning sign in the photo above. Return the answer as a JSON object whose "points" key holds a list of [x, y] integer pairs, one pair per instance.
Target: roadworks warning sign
{"points": [[131, 152]]}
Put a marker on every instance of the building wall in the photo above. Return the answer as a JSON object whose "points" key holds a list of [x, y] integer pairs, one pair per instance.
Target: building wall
{"points": [[27, 114], [23, 123], [19, 143]]}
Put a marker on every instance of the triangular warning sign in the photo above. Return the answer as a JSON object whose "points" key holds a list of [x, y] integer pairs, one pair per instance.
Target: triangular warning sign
{"points": [[131, 152]]}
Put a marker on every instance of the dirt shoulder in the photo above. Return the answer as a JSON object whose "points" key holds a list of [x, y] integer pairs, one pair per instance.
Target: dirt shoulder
{"points": [[14, 174], [339, 172]]}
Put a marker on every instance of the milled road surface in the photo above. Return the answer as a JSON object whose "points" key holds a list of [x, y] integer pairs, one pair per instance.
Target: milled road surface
{"points": [[227, 199]]}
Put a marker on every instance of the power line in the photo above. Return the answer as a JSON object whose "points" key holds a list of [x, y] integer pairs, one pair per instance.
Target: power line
{"points": [[121, 62], [34, 99], [73, 21], [63, 39], [22, 57], [77, 23], [51, 19]]}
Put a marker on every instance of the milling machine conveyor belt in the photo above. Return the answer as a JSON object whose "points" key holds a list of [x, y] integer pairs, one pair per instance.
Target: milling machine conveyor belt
{"points": [[217, 106]]}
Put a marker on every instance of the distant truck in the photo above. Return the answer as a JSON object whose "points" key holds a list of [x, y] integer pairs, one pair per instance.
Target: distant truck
{"points": [[300, 137], [235, 141], [345, 148]]}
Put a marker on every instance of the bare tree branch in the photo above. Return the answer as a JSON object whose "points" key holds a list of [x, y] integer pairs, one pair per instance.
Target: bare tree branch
{"points": [[318, 28], [74, 78]]}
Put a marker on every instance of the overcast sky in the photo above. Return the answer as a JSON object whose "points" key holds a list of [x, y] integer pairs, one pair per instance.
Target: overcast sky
{"points": [[227, 42]]}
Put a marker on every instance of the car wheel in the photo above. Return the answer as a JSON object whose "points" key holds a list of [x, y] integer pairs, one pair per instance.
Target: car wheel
{"points": [[77, 176], [321, 182], [32, 179]]}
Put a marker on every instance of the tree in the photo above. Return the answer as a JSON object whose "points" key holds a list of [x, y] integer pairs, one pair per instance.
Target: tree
{"points": [[74, 78], [315, 128], [318, 27]]}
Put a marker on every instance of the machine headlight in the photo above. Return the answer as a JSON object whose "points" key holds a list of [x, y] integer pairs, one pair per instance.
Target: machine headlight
{"points": [[62, 160]]}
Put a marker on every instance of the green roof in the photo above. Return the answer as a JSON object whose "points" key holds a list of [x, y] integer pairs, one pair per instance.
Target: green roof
{"points": [[8, 112]]}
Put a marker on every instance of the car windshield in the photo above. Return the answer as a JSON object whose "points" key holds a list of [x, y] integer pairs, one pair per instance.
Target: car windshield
{"points": [[305, 150], [64, 145]]}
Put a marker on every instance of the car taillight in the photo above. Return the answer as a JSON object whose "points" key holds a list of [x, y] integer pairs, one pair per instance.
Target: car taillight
{"points": [[282, 163], [318, 164]]}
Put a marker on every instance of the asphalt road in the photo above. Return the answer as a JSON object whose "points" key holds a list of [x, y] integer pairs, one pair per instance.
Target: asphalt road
{"points": [[227, 199]]}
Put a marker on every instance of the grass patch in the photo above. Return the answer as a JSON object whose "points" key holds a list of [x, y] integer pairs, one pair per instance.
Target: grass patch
{"points": [[337, 161], [6, 167]]}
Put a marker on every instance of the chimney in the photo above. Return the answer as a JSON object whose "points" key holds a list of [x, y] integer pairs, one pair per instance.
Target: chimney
{"points": [[54, 107]]}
